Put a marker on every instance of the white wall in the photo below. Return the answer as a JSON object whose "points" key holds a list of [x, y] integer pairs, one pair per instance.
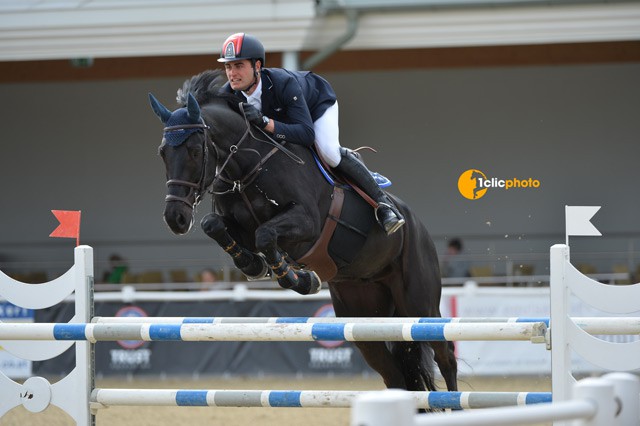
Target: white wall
{"points": [[92, 146]]}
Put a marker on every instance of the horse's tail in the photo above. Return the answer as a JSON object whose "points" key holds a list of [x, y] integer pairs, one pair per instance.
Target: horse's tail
{"points": [[416, 361]]}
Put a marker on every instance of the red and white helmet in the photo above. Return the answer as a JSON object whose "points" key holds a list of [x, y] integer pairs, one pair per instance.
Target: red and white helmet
{"points": [[242, 46]]}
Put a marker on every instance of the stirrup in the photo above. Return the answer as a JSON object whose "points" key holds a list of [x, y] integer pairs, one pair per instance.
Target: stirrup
{"points": [[397, 225]]}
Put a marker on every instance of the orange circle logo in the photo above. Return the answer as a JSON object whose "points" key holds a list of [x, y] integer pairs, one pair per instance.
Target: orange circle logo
{"points": [[468, 184]]}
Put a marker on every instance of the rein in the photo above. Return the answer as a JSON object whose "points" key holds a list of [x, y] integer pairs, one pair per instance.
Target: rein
{"points": [[239, 185], [197, 189]]}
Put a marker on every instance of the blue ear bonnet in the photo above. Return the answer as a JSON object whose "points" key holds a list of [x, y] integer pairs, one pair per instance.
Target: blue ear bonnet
{"points": [[178, 118], [188, 115]]}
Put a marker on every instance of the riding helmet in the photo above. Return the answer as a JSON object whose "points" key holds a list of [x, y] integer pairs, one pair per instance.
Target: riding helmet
{"points": [[242, 46]]}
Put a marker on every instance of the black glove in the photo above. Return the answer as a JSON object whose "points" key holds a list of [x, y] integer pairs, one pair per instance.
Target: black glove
{"points": [[254, 116]]}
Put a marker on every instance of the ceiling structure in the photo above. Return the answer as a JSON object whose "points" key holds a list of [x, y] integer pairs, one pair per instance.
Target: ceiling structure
{"points": [[67, 29]]}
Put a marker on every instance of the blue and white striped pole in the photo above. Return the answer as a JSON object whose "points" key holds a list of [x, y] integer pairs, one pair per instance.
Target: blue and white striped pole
{"points": [[315, 320], [314, 398], [591, 325], [94, 332]]}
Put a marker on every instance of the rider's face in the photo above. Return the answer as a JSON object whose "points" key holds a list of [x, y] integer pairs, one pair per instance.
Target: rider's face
{"points": [[240, 74]]}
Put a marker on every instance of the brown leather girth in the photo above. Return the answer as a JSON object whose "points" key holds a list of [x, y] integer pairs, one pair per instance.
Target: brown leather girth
{"points": [[317, 258]]}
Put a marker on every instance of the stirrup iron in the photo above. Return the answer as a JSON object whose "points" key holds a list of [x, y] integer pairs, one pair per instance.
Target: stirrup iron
{"points": [[397, 225]]}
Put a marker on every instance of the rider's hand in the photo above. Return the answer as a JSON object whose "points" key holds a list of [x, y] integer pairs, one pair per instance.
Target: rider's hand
{"points": [[254, 116]]}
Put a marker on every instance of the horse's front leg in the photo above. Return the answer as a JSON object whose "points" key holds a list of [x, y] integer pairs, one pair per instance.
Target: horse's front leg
{"points": [[251, 264], [294, 225]]}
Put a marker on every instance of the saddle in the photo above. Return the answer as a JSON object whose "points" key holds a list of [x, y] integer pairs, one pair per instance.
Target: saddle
{"points": [[334, 178]]}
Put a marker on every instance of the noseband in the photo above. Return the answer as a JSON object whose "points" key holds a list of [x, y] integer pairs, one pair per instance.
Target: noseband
{"points": [[196, 189]]}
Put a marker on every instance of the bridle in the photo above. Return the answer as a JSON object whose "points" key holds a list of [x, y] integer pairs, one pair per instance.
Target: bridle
{"points": [[198, 189]]}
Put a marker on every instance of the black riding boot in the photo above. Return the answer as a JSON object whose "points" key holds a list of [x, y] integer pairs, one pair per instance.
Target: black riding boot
{"points": [[353, 169]]}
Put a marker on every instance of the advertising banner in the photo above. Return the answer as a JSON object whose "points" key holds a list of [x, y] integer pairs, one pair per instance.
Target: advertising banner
{"points": [[11, 366], [287, 358], [213, 358], [524, 358]]}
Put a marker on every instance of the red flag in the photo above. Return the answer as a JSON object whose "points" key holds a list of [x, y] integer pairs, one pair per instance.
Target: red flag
{"points": [[69, 225]]}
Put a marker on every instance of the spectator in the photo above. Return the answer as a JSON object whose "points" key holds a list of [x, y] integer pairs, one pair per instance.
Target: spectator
{"points": [[207, 278], [118, 269], [453, 265]]}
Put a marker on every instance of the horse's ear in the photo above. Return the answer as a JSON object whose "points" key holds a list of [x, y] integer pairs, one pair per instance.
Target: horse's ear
{"points": [[193, 109], [161, 111]]}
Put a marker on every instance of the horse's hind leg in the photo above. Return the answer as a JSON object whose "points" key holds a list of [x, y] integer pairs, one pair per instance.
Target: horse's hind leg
{"points": [[419, 296], [444, 356], [359, 299], [421, 300], [251, 264], [378, 357]]}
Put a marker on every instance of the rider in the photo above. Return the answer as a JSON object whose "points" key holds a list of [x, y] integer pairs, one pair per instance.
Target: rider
{"points": [[298, 107]]}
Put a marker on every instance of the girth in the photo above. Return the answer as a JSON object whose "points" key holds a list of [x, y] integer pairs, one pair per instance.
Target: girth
{"points": [[317, 258]]}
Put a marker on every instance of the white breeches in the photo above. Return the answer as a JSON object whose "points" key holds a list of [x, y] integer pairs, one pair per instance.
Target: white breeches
{"points": [[327, 136]]}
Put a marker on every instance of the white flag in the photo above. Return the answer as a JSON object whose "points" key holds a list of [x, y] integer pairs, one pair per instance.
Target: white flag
{"points": [[578, 220]]}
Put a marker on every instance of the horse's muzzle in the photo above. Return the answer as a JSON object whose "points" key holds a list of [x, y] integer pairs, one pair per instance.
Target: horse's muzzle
{"points": [[178, 216]]}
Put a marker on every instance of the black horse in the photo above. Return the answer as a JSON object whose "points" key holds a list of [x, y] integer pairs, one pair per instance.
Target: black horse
{"points": [[271, 205]]}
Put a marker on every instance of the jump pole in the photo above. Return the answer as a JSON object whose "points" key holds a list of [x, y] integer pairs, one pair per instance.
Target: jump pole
{"points": [[591, 325], [103, 398], [351, 332]]}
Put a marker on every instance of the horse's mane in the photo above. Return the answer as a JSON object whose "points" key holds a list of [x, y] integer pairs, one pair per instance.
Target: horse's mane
{"points": [[205, 87]]}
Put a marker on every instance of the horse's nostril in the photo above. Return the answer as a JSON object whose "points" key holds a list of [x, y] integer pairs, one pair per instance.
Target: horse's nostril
{"points": [[181, 220]]}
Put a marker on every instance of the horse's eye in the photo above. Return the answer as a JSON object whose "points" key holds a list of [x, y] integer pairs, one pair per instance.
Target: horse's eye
{"points": [[195, 152]]}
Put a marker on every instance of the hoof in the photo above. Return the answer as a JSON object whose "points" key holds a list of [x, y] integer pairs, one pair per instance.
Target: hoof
{"points": [[308, 283], [314, 283], [264, 273]]}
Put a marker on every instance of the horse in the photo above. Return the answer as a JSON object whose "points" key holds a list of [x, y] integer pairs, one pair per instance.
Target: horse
{"points": [[271, 204]]}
